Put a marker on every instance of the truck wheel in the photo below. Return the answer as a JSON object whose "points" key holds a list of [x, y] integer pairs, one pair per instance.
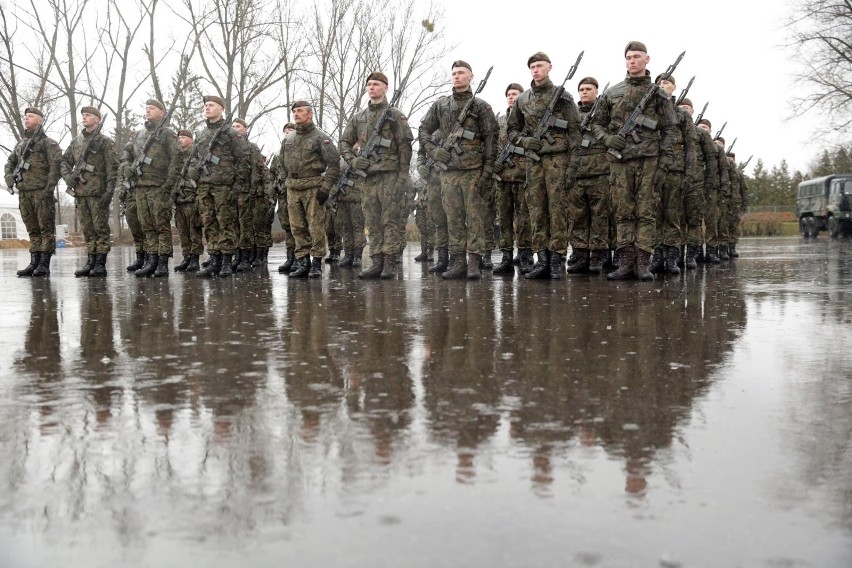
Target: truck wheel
{"points": [[833, 227], [803, 227]]}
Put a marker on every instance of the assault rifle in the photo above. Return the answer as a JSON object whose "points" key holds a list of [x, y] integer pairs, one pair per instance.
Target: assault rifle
{"points": [[636, 118], [701, 114], [718, 134], [731, 147], [745, 165], [142, 157], [81, 168], [208, 157], [451, 142], [683, 93], [23, 165], [369, 150]]}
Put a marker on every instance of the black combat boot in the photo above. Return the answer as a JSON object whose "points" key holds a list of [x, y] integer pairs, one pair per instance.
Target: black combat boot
{"points": [[689, 262], [616, 258], [389, 267], [541, 269], [252, 256], [606, 260], [506, 266], [712, 256], [149, 267], [87, 268], [658, 261], [99, 270], [700, 256], [672, 258], [397, 258], [260, 257], [140, 260], [723, 253], [346, 258], [486, 263], [581, 264], [315, 270], [183, 263], [457, 268], [626, 260], [474, 261], [207, 262], [288, 264], [244, 265], [237, 257], [375, 269], [162, 266], [332, 257], [227, 263], [557, 266], [301, 267], [28, 270], [525, 260], [643, 265], [572, 258], [214, 264], [732, 251], [356, 257], [43, 268], [596, 261], [193, 263], [442, 263], [424, 253], [517, 259]]}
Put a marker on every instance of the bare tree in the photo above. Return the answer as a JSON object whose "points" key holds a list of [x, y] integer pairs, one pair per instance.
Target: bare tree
{"points": [[292, 43]]}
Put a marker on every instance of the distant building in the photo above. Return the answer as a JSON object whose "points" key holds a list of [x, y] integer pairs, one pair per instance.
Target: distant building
{"points": [[11, 224]]}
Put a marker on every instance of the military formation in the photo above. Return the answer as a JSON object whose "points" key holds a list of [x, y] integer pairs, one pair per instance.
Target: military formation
{"points": [[626, 179]]}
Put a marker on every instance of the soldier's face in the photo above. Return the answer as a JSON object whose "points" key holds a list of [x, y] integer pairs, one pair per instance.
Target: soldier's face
{"points": [[376, 89], [289, 131], [90, 121], [212, 111], [462, 76], [667, 86], [705, 128], [241, 130], [588, 93], [636, 62], [302, 115], [540, 71], [688, 109], [511, 95], [184, 141], [154, 113], [719, 143], [31, 121]]}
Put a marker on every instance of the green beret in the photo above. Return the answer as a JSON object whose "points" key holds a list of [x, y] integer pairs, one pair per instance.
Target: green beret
{"points": [[241, 121], [90, 110], [705, 121], [156, 103], [298, 104], [720, 139], [185, 132], [34, 110], [214, 99], [377, 76], [587, 81], [537, 56], [671, 79], [686, 102], [513, 87], [289, 125], [460, 63], [635, 46]]}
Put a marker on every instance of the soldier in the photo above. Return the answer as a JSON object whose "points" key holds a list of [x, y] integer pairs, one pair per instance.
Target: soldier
{"points": [[281, 197], [726, 205], [549, 178], [589, 200], [216, 179], [678, 182], [92, 187], [250, 184], [310, 164], [512, 212], [643, 165], [705, 182], [384, 187], [264, 214], [424, 222], [187, 217], [467, 178], [739, 201], [36, 160], [435, 206], [715, 201], [152, 186]]}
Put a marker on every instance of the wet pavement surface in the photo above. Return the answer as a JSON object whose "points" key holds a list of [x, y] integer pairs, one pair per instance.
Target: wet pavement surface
{"points": [[695, 421]]}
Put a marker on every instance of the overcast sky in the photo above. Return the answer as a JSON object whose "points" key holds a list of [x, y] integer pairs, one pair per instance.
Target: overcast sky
{"points": [[734, 48]]}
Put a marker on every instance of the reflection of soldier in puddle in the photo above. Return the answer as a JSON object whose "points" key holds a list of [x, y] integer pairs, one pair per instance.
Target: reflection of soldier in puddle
{"points": [[462, 388], [97, 348]]}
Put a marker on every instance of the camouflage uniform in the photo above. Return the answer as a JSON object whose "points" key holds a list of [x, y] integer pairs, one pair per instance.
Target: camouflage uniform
{"points": [[435, 208], [705, 182], [740, 199], [264, 211], [349, 223], [281, 200], [733, 207], [127, 197], [36, 189], [384, 188], [310, 164], [249, 178], [511, 204], [187, 217], [467, 179], [423, 220], [713, 201], [637, 176]]}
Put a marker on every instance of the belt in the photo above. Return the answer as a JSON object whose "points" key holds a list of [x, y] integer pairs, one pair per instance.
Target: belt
{"points": [[305, 175]]}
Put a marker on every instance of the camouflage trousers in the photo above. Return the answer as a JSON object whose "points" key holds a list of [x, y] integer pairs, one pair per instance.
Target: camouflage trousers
{"points": [[693, 213], [635, 201], [188, 222], [711, 219], [349, 220], [381, 202], [489, 218], [435, 204], [284, 219], [264, 214], [669, 216], [154, 206], [218, 216], [463, 206], [513, 215], [309, 222], [589, 212], [39, 216], [93, 213], [423, 220], [131, 216], [728, 220], [243, 201], [546, 202], [736, 216], [333, 239], [402, 221]]}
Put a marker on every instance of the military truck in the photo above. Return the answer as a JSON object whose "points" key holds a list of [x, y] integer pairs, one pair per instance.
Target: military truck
{"points": [[825, 204]]}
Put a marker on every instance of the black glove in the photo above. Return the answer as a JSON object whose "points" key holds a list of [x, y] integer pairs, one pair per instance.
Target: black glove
{"points": [[531, 144], [615, 142], [424, 172], [360, 163], [69, 181], [193, 173], [322, 196], [441, 155], [10, 182]]}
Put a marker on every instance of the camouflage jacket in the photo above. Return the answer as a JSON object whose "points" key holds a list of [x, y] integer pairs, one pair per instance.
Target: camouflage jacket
{"points": [[706, 166], [162, 153], [249, 177], [593, 160], [724, 172], [44, 158], [101, 157], [231, 150], [309, 159], [739, 189], [479, 150], [510, 174], [394, 158], [263, 188], [617, 104], [684, 149], [526, 114], [185, 191]]}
